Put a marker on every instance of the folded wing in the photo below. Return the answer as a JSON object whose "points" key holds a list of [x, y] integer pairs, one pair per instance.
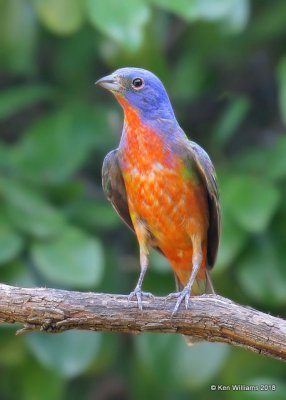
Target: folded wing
{"points": [[207, 174], [114, 187]]}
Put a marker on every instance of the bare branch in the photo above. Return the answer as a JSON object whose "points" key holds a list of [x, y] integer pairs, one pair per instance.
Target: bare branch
{"points": [[210, 317]]}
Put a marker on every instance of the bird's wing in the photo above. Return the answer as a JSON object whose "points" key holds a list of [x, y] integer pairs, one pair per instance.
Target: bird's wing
{"points": [[114, 187], [206, 171]]}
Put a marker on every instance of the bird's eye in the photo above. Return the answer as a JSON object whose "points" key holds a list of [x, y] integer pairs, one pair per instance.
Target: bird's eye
{"points": [[137, 83]]}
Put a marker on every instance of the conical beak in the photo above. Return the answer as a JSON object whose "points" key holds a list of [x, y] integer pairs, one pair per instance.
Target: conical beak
{"points": [[110, 82]]}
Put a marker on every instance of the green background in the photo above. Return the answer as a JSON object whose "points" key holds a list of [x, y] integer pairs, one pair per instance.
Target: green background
{"points": [[223, 63]]}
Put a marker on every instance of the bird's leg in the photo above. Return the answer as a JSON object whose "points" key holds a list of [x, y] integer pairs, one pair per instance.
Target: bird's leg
{"points": [[138, 288], [144, 253], [196, 263]]}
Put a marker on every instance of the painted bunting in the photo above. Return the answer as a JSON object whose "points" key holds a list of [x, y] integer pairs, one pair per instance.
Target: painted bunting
{"points": [[162, 185]]}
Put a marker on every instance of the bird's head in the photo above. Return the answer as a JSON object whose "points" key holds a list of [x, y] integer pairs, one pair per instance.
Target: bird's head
{"points": [[141, 90]]}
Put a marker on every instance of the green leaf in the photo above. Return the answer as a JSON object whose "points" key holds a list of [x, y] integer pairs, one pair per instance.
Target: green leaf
{"points": [[189, 68], [195, 9], [34, 378], [233, 239], [274, 389], [191, 367], [253, 160], [250, 201], [63, 17], [179, 365], [11, 243], [123, 21], [159, 262], [237, 16], [176, 7], [28, 211], [15, 99], [260, 275], [72, 258], [5, 157], [232, 117], [93, 214], [69, 353], [275, 167], [209, 10], [19, 273], [281, 75], [18, 30], [12, 353], [56, 146]]}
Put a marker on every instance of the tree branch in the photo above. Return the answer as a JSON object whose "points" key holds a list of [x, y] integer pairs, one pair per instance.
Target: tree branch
{"points": [[210, 317]]}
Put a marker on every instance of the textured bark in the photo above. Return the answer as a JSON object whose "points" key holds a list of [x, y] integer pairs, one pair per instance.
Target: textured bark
{"points": [[210, 317]]}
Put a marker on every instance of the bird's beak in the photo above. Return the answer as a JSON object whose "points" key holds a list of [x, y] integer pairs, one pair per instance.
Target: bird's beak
{"points": [[110, 82]]}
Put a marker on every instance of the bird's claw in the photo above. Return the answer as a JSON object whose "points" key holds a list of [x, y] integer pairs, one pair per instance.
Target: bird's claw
{"points": [[180, 296], [139, 294]]}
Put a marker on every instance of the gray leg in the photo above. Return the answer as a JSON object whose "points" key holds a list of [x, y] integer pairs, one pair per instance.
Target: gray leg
{"points": [[196, 261], [138, 289]]}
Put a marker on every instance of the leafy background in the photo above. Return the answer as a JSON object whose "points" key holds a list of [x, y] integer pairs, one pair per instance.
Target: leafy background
{"points": [[224, 65]]}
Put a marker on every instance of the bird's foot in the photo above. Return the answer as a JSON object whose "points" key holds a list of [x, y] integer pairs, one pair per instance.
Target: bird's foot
{"points": [[138, 293], [180, 296]]}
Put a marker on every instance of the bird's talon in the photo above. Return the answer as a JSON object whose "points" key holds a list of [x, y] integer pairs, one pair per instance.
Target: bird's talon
{"points": [[187, 301], [139, 301], [184, 294], [139, 294], [172, 296]]}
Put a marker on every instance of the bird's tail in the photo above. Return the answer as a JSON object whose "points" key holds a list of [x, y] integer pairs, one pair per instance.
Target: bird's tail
{"points": [[200, 286]]}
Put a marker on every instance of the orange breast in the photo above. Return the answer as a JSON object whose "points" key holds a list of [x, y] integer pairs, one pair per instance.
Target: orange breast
{"points": [[173, 206]]}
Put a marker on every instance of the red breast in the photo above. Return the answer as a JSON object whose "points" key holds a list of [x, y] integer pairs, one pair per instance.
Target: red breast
{"points": [[158, 191]]}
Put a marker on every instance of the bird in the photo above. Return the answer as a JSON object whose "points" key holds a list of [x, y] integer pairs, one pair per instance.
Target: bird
{"points": [[162, 185]]}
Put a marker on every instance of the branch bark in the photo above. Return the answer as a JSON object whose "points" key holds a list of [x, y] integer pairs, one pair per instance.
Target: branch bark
{"points": [[210, 317]]}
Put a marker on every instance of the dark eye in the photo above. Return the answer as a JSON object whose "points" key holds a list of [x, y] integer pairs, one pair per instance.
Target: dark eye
{"points": [[138, 83]]}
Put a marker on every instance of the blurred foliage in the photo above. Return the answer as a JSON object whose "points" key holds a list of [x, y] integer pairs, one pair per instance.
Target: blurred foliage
{"points": [[224, 65]]}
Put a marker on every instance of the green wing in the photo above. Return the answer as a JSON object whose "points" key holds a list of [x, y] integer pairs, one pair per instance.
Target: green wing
{"points": [[114, 187], [207, 174]]}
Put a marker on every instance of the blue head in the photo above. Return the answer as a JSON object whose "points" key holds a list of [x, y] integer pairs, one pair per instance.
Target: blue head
{"points": [[142, 90]]}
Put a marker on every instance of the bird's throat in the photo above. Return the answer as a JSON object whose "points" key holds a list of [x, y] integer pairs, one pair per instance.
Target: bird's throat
{"points": [[131, 115]]}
